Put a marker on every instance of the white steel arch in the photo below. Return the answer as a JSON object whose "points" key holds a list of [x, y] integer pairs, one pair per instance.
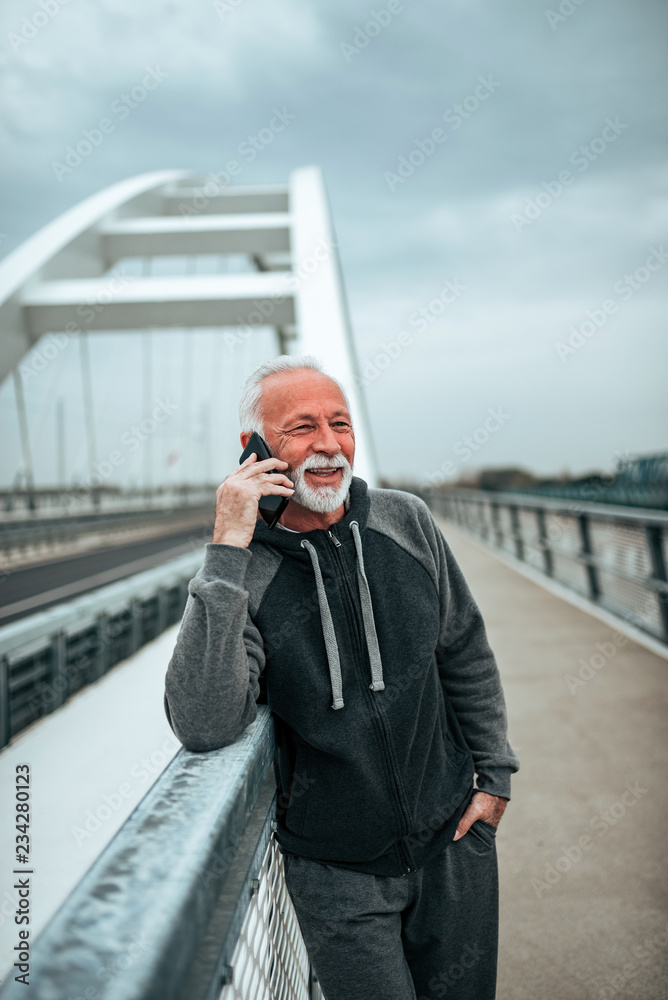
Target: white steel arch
{"points": [[49, 282]]}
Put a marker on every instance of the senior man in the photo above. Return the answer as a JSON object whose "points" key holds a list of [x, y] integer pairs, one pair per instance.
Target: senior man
{"points": [[352, 620]]}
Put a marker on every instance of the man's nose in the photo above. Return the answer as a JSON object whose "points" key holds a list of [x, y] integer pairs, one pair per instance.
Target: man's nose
{"points": [[327, 441]]}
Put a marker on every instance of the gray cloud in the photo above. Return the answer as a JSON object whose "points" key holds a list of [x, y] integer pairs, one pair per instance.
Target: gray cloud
{"points": [[356, 115]]}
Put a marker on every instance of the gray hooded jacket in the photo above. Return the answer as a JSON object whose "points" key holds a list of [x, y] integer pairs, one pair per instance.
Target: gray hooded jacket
{"points": [[371, 653]]}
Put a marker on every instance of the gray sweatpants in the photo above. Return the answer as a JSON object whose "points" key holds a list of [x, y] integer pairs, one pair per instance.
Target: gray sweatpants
{"points": [[428, 934]]}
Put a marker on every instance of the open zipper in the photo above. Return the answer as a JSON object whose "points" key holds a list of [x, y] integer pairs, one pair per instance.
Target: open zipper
{"points": [[406, 856]]}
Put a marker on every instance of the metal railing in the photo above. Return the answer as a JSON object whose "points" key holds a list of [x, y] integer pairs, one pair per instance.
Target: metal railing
{"points": [[614, 557], [188, 900], [46, 657]]}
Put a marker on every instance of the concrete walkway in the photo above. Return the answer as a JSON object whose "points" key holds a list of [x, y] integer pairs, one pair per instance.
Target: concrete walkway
{"points": [[583, 851]]}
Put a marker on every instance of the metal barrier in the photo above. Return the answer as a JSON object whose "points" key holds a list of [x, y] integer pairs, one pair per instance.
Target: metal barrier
{"points": [[188, 900], [47, 657], [615, 557]]}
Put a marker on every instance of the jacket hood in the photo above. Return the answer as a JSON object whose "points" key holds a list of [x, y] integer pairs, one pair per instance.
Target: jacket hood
{"points": [[304, 545]]}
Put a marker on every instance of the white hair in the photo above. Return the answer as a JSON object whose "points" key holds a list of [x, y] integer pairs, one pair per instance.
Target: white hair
{"points": [[250, 404]]}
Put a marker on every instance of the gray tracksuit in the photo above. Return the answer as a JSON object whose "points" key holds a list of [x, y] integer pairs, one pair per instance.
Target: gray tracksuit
{"points": [[369, 649]]}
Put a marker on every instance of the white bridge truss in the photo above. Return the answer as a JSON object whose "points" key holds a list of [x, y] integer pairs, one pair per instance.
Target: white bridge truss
{"points": [[47, 285]]}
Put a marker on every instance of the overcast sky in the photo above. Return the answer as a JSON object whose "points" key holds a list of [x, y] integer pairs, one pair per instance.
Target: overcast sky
{"points": [[547, 189]]}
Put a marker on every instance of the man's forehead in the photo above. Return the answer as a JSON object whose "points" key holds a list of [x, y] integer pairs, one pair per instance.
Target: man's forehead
{"points": [[340, 411], [293, 398]]}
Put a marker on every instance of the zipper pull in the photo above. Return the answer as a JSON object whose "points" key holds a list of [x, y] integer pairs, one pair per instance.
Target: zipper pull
{"points": [[334, 538]]}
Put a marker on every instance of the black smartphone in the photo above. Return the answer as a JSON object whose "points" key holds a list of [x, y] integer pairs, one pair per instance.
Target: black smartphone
{"points": [[273, 505]]}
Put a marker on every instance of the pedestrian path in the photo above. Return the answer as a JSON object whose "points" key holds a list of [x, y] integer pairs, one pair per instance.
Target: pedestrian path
{"points": [[583, 852]]}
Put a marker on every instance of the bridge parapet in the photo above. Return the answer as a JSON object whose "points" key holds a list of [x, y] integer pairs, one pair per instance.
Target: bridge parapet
{"points": [[188, 900], [48, 656], [613, 558]]}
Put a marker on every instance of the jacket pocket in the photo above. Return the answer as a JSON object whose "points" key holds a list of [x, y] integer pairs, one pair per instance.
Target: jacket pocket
{"points": [[490, 826], [445, 768], [482, 834], [454, 737]]}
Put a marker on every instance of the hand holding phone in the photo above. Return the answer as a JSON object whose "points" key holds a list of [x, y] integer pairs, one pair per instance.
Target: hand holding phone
{"points": [[238, 498], [271, 506]]}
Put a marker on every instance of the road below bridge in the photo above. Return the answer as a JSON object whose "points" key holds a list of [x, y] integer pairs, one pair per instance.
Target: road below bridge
{"points": [[37, 587]]}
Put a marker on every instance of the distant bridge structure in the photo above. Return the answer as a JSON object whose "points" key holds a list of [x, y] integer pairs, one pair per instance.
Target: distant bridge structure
{"points": [[70, 281]]}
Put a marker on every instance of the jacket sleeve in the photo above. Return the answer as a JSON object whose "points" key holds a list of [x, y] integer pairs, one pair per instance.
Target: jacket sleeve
{"points": [[212, 681], [470, 676]]}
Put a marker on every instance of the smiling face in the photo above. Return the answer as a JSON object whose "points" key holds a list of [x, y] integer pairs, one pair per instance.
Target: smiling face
{"points": [[307, 424]]}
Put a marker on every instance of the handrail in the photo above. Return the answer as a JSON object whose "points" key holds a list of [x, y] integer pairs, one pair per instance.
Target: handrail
{"points": [[132, 927], [566, 505], [611, 556]]}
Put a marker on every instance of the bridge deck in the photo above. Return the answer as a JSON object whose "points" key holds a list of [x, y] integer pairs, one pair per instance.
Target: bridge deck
{"points": [[579, 917]]}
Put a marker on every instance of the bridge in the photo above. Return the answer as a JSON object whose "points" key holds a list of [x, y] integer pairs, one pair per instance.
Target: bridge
{"points": [[156, 873]]}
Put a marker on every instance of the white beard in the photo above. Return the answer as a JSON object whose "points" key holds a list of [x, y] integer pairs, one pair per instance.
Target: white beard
{"points": [[321, 499]]}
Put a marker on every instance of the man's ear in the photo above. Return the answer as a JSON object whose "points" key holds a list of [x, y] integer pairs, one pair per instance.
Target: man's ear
{"points": [[244, 437]]}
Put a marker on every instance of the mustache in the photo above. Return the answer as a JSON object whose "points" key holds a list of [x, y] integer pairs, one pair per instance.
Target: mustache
{"points": [[322, 462]]}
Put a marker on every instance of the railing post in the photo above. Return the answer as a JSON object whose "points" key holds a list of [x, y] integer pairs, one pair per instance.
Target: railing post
{"points": [[136, 623], [5, 713], [586, 555], [58, 674], [544, 542], [648, 530], [517, 532], [102, 652], [496, 523], [654, 535], [163, 607]]}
